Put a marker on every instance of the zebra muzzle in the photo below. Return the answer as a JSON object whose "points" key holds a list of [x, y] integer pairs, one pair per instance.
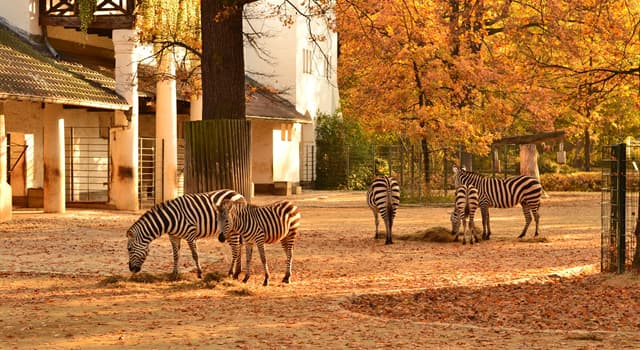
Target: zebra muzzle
{"points": [[221, 238], [133, 268]]}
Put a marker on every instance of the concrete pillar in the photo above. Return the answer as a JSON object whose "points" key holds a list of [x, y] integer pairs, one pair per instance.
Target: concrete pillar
{"points": [[124, 132], [54, 172], [5, 188], [166, 130]]}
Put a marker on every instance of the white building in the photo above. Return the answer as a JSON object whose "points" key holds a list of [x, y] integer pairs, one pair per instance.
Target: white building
{"points": [[106, 154]]}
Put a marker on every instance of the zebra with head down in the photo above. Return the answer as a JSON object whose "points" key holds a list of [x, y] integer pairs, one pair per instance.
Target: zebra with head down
{"points": [[189, 217]]}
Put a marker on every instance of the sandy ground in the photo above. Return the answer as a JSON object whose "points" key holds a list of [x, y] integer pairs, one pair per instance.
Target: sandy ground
{"points": [[64, 284]]}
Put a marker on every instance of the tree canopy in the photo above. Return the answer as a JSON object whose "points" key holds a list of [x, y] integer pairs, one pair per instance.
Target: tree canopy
{"points": [[465, 72]]}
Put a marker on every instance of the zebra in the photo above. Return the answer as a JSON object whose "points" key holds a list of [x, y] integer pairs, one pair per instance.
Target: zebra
{"points": [[503, 193], [242, 223], [190, 217], [383, 197], [466, 204]]}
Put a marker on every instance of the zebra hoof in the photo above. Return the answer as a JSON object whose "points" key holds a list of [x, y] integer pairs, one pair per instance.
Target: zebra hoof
{"points": [[388, 242], [244, 280], [266, 282], [286, 279]]}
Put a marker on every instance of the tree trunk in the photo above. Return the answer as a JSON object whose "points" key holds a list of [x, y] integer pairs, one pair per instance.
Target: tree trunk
{"points": [[218, 148], [425, 164], [222, 60], [587, 150], [529, 160]]}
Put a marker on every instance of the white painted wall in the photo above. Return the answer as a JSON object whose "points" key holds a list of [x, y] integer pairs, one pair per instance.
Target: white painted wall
{"points": [[261, 150], [22, 15], [286, 156]]}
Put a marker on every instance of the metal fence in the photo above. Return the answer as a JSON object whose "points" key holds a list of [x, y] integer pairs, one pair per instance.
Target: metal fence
{"points": [[619, 208], [343, 166]]}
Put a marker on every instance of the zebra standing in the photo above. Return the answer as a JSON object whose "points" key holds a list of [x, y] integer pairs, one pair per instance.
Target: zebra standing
{"points": [[242, 223], [383, 197], [465, 207], [503, 193], [189, 217]]}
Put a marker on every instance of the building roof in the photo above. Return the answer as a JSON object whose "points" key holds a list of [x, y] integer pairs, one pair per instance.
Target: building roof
{"points": [[30, 73], [263, 103]]}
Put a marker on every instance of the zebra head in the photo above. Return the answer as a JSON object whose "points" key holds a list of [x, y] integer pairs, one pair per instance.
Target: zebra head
{"points": [[138, 251], [224, 222], [459, 175]]}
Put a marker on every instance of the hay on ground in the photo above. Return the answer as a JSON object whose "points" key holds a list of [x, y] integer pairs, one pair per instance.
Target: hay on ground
{"points": [[432, 234]]}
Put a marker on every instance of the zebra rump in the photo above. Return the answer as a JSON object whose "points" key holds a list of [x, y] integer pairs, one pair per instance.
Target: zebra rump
{"points": [[466, 204], [247, 224], [383, 197], [189, 217]]}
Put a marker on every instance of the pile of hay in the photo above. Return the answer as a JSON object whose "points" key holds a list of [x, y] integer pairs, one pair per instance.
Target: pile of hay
{"points": [[434, 234]]}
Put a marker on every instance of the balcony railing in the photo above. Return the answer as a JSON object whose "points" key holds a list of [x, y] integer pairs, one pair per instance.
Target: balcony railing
{"points": [[109, 14]]}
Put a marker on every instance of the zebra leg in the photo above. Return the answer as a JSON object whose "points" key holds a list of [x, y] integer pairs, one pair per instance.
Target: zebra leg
{"points": [[464, 230], [377, 220], [287, 245], [194, 253], [263, 258], [536, 217], [388, 223], [247, 272], [175, 245], [527, 220], [235, 258], [486, 227], [472, 227]]}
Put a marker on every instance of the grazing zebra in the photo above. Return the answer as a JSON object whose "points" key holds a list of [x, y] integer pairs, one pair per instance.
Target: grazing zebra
{"points": [[189, 217], [503, 193], [383, 197], [242, 223], [465, 207]]}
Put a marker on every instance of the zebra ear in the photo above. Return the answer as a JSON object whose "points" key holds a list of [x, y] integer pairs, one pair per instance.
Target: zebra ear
{"points": [[455, 169]]}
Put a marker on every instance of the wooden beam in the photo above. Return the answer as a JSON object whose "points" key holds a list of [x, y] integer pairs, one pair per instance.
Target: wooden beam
{"points": [[534, 138], [99, 22]]}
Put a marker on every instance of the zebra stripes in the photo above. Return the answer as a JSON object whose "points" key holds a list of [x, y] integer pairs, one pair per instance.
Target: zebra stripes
{"points": [[503, 193], [466, 204], [242, 223], [383, 197], [189, 217]]}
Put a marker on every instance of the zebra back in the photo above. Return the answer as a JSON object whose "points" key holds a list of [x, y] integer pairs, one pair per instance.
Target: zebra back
{"points": [[191, 215], [501, 193], [275, 221], [384, 196]]}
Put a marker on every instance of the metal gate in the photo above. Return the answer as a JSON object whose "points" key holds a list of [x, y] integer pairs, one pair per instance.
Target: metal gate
{"points": [[308, 175], [87, 164], [620, 203], [146, 172]]}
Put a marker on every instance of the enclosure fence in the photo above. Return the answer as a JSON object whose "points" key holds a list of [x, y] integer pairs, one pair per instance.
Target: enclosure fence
{"points": [[619, 208], [352, 167]]}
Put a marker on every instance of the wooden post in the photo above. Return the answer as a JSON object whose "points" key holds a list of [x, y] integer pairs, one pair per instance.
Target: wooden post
{"points": [[529, 160]]}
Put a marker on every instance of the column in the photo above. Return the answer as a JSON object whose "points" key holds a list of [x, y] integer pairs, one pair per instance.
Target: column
{"points": [[166, 129], [5, 188], [124, 133], [54, 172]]}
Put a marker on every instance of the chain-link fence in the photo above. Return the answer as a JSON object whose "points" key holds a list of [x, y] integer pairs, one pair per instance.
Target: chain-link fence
{"points": [[620, 220]]}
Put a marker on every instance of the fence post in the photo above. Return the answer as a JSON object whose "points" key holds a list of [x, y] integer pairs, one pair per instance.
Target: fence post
{"points": [[618, 213]]}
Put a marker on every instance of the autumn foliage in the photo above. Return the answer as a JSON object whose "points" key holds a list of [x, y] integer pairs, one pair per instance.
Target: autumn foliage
{"points": [[467, 72]]}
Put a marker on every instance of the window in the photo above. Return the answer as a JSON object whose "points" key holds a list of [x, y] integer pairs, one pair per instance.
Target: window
{"points": [[306, 61]]}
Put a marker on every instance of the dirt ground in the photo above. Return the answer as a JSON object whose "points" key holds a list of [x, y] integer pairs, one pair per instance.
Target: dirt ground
{"points": [[65, 284]]}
